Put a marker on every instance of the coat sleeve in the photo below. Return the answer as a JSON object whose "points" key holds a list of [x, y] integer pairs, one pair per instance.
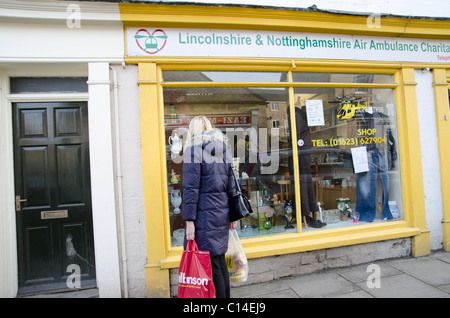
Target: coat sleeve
{"points": [[191, 184]]}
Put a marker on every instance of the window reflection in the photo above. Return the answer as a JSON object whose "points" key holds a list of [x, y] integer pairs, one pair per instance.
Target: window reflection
{"points": [[223, 76], [342, 78]]}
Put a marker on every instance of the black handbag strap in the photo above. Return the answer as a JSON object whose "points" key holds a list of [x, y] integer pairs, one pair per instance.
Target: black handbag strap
{"points": [[239, 192], [236, 184]]}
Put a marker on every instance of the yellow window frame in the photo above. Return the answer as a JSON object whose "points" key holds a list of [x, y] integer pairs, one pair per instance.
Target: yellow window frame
{"points": [[441, 87]]}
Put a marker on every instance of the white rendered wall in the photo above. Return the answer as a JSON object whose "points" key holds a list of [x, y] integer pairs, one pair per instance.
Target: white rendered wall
{"points": [[102, 182], [430, 157], [132, 181], [41, 31]]}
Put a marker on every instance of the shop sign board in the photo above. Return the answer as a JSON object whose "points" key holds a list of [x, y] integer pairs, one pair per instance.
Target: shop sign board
{"points": [[171, 42], [225, 120]]}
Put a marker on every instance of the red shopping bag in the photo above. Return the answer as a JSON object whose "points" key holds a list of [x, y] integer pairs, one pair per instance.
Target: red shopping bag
{"points": [[195, 274]]}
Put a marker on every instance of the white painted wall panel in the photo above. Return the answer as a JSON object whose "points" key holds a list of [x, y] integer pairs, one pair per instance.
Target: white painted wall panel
{"points": [[102, 182], [57, 41]]}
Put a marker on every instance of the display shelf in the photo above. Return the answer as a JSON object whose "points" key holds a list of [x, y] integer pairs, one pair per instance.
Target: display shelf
{"points": [[330, 164]]}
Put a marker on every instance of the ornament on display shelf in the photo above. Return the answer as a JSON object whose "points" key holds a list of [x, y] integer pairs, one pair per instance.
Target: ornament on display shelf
{"points": [[343, 205], [275, 199], [173, 113], [265, 196], [320, 212], [175, 199], [176, 145], [267, 225], [175, 178], [288, 214]]}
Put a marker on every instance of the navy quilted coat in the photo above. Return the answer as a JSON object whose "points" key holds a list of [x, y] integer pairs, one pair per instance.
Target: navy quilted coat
{"points": [[207, 184]]}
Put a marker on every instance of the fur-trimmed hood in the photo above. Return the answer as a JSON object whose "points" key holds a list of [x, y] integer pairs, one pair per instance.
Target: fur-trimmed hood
{"points": [[206, 137]]}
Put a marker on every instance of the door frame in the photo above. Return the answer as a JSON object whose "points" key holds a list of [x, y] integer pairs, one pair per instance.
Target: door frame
{"points": [[102, 176]]}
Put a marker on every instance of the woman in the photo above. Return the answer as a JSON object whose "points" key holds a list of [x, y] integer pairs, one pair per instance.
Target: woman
{"points": [[207, 184]]}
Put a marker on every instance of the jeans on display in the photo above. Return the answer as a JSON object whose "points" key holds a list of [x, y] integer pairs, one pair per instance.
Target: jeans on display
{"points": [[366, 188]]}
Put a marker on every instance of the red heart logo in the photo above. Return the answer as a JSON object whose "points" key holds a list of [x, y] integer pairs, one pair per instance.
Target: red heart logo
{"points": [[151, 43]]}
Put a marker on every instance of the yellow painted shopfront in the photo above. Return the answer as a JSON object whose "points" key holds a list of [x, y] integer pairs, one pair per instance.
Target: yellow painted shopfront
{"points": [[353, 163]]}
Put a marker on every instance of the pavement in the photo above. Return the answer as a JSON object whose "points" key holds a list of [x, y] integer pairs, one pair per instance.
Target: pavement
{"points": [[82, 293], [410, 277], [421, 277]]}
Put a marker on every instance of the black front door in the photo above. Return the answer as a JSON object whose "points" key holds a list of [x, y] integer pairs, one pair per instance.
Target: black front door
{"points": [[53, 196]]}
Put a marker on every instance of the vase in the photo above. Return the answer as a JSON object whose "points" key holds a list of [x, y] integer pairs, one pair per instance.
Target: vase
{"points": [[261, 221], [175, 199]]}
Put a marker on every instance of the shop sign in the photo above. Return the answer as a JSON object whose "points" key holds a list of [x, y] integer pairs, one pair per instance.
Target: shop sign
{"points": [[169, 42], [226, 120]]}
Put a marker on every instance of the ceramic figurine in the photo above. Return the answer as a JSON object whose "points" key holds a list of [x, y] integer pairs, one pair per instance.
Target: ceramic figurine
{"points": [[288, 214], [175, 177], [175, 199], [275, 199], [176, 145], [320, 212]]}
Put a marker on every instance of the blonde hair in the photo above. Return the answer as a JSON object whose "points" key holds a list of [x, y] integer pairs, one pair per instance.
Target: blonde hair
{"points": [[198, 125]]}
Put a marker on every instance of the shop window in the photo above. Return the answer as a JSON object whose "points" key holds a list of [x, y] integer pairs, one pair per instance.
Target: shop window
{"points": [[346, 141], [353, 154], [260, 152]]}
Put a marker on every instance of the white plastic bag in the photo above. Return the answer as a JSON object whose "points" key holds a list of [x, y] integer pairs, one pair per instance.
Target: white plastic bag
{"points": [[236, 260]]}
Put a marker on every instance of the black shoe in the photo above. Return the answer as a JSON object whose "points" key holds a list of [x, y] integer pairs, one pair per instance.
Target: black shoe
{"points": [[314, 223]]}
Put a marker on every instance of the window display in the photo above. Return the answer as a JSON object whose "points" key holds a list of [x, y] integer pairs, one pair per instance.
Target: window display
{"points": [[354, 155], [346, 141]]}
